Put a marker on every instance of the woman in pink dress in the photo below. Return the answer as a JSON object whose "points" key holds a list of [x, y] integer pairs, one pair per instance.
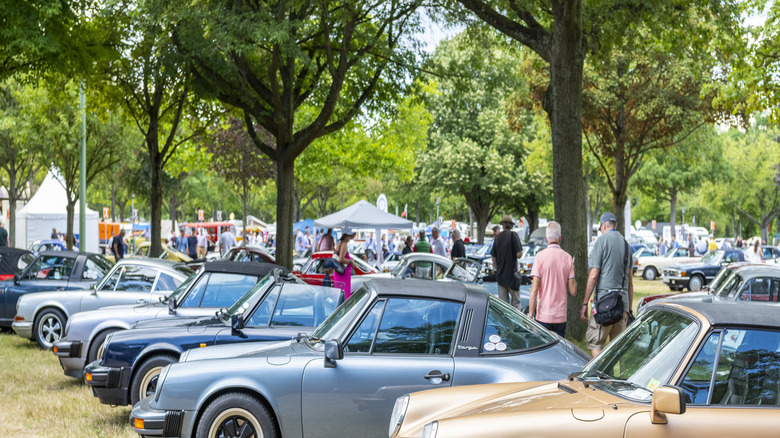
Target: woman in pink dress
{"points": [[344, 281]]}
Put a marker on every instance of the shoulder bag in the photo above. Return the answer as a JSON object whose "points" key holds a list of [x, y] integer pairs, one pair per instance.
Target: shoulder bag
{"points": [[609, 306], [335, 263]]}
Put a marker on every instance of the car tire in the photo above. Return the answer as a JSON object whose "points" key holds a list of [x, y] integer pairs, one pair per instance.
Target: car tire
{"points": [[649, 273], [145, 379], [695, 283], [232, 414], [96, 347], [49, 327]]}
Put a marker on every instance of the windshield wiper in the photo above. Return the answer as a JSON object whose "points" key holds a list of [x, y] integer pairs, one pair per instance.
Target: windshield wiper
{"points": [[602, 377]]}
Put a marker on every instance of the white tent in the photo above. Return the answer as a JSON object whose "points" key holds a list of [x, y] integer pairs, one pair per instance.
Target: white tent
{"points": [[363, 214], [47, 209]]}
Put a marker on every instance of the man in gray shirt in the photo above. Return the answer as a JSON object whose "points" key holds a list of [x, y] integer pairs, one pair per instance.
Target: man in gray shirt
{"points": [[227, 240], [608, 271]]}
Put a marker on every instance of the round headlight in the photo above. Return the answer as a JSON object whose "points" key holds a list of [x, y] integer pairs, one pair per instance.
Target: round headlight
{"points": [[430, 429], [399, 411]]}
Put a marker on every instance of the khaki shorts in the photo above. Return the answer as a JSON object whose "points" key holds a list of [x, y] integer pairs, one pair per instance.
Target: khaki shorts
{"points": [[596, 335]]}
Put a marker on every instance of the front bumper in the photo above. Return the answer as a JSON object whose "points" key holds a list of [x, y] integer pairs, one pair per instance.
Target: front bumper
{"points": [[23, 329], [71, 360], [675, 280], [106, 383], [148, 421]]}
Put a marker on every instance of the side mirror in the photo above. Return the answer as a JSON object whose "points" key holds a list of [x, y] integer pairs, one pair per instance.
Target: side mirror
{"points": [[333, 351], [93, 288], [171, 306], [16, 279], [666, 400], [236, 324]]}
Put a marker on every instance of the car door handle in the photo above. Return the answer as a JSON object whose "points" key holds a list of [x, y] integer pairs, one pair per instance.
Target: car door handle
{"points": [[142, 301], [436, 374], [60, 288]]}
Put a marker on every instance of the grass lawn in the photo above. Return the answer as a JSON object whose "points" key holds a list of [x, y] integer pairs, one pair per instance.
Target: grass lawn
{"points": [[39, 400]]}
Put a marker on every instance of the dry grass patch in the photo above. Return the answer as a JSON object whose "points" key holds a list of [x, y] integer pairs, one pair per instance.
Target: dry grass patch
{"points": [[39, 400]]}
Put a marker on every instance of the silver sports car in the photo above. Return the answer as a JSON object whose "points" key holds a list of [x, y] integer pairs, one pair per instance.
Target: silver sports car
{"points": [[390, 338]]}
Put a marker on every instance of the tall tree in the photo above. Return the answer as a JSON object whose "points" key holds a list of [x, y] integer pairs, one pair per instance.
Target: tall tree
{"points": [[19, 156], [234, 158], [300, 69]]}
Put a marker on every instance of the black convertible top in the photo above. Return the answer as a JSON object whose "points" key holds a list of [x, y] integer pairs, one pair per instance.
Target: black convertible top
{"points": [[451, 290], [9, 259], [734, 313], [255, 268]]}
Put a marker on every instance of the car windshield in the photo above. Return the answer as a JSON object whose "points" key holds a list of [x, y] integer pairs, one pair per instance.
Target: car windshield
{"points": [[463, 270], [340, 320], [400, 267], [645, 356], [712, 258], [246, 301], [181, 289], [728, 286]]}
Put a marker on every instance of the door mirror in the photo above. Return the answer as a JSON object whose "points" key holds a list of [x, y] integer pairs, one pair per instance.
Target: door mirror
{"points": [[93, 288], [666, 400], [236, 324], [333, 351], [171, 306]]}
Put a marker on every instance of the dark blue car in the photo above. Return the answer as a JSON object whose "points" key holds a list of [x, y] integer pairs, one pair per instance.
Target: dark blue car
{"points": [[278, 308], [695, 275]]}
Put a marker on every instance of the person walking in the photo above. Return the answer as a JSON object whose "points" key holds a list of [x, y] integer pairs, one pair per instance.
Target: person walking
{"points": [[54, 234], [182, 245], [437, 243], [118, 245], [302, 243], [691, 246], [203, 244], [422, 245], [662, 248], [507, 248], [326, 242], [371, 248], [753, 255], [458, 248], [227, 240], [408, 244], [344, 280], [610, 270], [192, 245], [552, 275], [3, 235]]}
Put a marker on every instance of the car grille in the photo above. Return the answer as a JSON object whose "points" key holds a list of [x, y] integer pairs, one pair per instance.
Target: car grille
{"points": [[173, 420], [671, 272]]}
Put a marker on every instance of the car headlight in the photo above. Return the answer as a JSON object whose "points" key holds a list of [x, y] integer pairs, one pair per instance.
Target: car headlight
{"points": [[430, 429], [161, 382], [399, 412]]}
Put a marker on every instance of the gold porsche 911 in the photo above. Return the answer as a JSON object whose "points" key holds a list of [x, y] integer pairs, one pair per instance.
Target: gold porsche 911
{"points": [[698, 369]]}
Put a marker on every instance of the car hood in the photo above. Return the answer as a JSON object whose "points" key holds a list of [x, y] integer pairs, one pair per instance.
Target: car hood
{"points": [[240, 349], [531, 398], [691, 266], [177, 322]]}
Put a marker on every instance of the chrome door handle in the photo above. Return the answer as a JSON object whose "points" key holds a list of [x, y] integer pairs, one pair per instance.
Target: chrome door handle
{"points": [[142, 301], [436, 374]]}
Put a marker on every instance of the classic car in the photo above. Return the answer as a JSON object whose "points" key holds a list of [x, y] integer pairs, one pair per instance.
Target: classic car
{"points": [[695, 275], [389, 338], [278, 308], [51, 270], [735, 282], [770, 254], [693, 370], [142, 250], [13, 261], [421, 265], [239, 254], [40, 246], [214, 286], [312, 271], [42, 316], [650, 267]]}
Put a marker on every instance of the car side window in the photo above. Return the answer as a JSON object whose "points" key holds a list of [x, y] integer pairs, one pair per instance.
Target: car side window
{"points": [[757, 289], [51, 268], [166, 283], [24, 261], [730, 257], [507, 330], [225, 289], [748, 371], [110, 283], [420, 270], [696, 383], [304, 305], [316, 266], [363, 337], [265, 309], [775, 290], [196, 293], [136, 279], [681, 252], [93, 270], [417, 326]]}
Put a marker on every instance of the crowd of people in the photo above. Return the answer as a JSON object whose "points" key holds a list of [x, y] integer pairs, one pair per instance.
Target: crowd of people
{"points": [[702, 246]]}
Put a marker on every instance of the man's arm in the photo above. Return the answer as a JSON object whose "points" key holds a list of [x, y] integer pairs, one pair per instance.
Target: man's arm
{"points": [[532, 297], [592, 278], [572, 287], [630, 293]]}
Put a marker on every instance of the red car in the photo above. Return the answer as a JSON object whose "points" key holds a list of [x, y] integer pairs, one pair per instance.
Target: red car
{"points": [[312, 271]]}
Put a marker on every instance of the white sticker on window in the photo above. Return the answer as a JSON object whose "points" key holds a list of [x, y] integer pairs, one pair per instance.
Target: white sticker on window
{"points": [[489, 346], [495, 339]]}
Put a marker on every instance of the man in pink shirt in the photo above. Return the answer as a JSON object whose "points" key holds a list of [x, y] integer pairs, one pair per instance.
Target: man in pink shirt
{"points": [[552, 274]]}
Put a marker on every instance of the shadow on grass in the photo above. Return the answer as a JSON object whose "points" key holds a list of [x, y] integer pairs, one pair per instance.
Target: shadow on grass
{"points": [[118, 417], [68, 384]]}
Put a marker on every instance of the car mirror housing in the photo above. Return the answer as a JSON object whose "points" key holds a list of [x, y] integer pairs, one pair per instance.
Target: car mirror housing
{"points": [[333, 351], [16, 279], [666, 400], [236, 324], [171, 306]]}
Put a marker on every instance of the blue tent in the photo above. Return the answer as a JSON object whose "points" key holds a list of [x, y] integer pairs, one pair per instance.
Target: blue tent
{"points": [[302, 226]]}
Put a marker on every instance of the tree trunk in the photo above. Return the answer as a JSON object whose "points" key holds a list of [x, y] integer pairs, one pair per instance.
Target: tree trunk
{"points": [[113, 202], [285, 206], [13, 195], [155, 203], [172, 205], [673, 216], [733, 225], [70, 216], [244, 197], [621, 199], [564, 108], [122, 205], [533, 220]]}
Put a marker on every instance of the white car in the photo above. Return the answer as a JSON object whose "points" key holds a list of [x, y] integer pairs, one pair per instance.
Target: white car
{"points": [[650, 267]]}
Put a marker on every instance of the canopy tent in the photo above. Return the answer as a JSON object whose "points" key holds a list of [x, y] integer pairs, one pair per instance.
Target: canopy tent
{"points": [[363, 214], [47, 209]]}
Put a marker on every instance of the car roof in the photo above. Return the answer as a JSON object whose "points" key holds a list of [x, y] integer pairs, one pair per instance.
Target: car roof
{"points": [[147, 261], [451, 290], [12, 250], [733, 313], [253, 268], [758, 269], [66, 253], [425, 256]]}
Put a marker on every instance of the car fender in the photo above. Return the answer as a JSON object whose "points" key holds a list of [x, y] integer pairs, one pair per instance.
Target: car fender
{"points": [[156, 349]]}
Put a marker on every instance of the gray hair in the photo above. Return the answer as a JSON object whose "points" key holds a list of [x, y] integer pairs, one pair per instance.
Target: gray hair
{"points": [[455, 234], [553, 232]]}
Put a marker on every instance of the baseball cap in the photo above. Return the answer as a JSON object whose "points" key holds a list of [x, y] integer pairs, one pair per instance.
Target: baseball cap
{"points": [[606, 217]]}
